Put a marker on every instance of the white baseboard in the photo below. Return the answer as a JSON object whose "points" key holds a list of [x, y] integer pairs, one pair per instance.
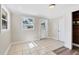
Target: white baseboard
{"points": [[6, 52], [18, 42], [52, 38], [76, 44]]}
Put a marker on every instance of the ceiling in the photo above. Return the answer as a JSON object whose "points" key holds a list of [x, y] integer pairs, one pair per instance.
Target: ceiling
{"points": [[42, 10]]}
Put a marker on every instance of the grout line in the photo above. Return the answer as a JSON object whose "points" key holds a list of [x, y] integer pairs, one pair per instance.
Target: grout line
{"points": [[7, 50]]}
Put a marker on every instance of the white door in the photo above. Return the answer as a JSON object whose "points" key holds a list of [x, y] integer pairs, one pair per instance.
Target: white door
{"points": [[44, 28], [61, 30]]}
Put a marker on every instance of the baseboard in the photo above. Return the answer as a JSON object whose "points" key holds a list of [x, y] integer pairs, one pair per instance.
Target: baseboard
{"points": [[76, 44], [52, 38], [6, 51], [18, 42]]}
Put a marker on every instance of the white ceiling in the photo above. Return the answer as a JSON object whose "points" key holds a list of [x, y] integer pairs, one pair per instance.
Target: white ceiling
{"points": [[39, 9]]}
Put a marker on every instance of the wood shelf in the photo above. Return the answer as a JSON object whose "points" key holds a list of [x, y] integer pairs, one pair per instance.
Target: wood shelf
{"points": [[75, 24], [76, 19]]}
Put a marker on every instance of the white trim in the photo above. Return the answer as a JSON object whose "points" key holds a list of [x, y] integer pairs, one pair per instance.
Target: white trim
{"points": [[6, 51], [18, 42], [8, 19], [52, 37], [76, 44], [12, 43], [27, 17], [42, 20]]}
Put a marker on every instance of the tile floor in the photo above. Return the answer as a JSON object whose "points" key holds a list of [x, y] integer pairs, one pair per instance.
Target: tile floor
{"points": [[42, 47], [66, 51]]}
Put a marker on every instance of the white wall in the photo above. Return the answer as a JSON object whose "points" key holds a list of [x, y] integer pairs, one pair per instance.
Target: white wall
{"points": [[64, 33], [53, 28], [67, 16], [4, 37], [68, 30], [0, 17], [68, 25], [18, 34]]}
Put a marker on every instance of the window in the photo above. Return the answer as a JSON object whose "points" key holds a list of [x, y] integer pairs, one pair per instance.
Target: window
{"points": [[28, 23], [4, 20]]}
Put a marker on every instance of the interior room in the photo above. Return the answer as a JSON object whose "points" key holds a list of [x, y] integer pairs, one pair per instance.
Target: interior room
{"points": [[39, 29]]}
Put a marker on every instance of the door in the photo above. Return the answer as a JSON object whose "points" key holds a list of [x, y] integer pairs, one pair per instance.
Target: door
{"points": [[61, 30], [44, 28], [76, 34], [75, 17]]}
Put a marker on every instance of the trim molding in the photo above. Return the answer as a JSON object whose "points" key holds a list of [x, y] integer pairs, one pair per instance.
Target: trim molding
{"points": [[18, 42], [52, 38]]}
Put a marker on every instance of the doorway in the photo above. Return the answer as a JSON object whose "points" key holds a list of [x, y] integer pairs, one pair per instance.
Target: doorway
{"points": [[43, 28], [75, 28], [61, 30]]}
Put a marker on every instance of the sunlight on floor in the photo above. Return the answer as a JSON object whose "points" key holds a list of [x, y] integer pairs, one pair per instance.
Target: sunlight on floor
{"points": [[41, 47], [32, 45]]}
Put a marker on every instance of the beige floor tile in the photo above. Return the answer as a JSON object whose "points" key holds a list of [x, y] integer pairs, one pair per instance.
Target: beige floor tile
{"points": [[15, 53], [41, 47], [26, 52]]}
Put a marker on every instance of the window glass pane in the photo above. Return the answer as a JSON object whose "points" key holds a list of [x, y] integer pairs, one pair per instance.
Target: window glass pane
{"points": [[28, 23]]}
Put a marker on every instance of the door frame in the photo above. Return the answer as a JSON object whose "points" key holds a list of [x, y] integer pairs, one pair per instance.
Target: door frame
{"points": [[73, 44], [46, 21]]}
